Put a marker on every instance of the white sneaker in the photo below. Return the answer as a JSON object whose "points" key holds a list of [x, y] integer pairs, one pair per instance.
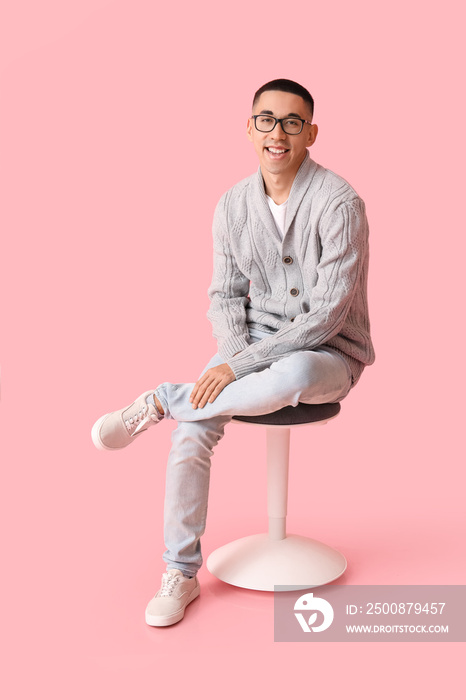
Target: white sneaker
{"points": [[169, 603], [118, 429]]}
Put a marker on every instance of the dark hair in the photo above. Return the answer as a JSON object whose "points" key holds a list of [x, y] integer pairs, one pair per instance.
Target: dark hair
{"points": [[285, 85]]}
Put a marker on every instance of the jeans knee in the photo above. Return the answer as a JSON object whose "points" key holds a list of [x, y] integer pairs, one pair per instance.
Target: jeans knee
{"points": [[195, 437]]}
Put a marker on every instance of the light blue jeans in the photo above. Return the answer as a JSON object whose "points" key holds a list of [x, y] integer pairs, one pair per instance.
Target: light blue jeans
{"points": [[308, 376]]}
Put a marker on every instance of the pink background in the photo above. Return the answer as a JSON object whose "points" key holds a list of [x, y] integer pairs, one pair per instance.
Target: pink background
{"points": [[112, 165]]}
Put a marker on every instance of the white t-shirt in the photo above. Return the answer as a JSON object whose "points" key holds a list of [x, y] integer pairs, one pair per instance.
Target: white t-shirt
{"points": [[278, 213]]}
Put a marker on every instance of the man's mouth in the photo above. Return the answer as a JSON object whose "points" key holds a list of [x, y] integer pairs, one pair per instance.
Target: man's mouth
{"points": [[276, 151]]}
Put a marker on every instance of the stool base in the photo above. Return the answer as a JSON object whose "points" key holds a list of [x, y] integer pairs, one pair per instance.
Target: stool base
{"points": [[259, 563]]}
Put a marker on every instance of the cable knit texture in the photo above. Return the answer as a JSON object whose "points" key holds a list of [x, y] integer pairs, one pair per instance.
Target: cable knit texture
{"points": [[319, 298]]}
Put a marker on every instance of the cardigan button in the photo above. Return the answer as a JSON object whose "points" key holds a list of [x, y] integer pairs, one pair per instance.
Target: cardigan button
{"points": [[287, 260], [292, 319], [294, 292]]}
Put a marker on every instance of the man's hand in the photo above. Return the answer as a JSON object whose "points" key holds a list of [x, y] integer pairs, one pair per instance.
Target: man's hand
{"points": [[209, 386]]}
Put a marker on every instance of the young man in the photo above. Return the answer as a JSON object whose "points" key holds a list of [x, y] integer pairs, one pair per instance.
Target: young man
{"points": [[289, 312]]}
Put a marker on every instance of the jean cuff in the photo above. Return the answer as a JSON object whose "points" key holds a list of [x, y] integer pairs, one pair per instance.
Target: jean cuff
{"points": [[163, 403]]}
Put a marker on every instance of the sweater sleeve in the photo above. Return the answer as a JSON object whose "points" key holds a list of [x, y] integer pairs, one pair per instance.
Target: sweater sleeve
{"points": [[228, 292], [343, 235]]}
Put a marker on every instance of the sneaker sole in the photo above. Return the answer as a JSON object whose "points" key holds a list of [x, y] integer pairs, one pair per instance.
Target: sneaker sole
{"points": [[95, 434], [166, 620]]}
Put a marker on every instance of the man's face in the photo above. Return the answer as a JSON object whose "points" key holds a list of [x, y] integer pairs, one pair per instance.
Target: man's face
{"points": [[280, 153]]}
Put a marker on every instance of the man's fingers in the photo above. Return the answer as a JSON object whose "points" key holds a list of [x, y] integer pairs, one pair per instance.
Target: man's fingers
{"points": [[203, 390], [208, 393], [200, 385], [209, 386], [217, 390]]}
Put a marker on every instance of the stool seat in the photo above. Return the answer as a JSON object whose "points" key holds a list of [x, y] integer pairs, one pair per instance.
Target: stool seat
{"points": [[263, 561], [301, 414]]}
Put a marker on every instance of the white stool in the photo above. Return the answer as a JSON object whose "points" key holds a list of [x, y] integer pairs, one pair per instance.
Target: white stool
{"points": [[260, 562]]}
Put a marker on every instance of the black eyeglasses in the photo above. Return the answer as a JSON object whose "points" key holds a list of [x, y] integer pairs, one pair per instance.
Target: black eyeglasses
{"points": [[290, 125]]}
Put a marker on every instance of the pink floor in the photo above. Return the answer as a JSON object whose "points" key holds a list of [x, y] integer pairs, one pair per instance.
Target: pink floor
{"points": [[86, 559]]}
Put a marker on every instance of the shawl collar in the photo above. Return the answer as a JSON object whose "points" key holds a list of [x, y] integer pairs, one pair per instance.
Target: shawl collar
{"points": [[299, 188]]}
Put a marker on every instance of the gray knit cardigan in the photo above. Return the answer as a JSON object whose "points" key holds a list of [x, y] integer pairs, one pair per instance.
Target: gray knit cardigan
{"points": [[308, 289]]}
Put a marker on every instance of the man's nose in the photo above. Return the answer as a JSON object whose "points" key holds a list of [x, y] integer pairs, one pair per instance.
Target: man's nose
{"points": [[277, 131]]}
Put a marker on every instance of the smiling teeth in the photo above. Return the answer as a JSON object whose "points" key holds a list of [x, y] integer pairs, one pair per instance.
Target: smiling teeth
{"points": [[277, 150]]}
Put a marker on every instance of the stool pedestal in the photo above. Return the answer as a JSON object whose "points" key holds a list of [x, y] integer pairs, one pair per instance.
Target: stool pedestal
{"points": [[260, 562]]}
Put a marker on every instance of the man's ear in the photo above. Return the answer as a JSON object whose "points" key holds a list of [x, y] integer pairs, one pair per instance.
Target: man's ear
{"points": [[249, 128], [313, 131]]}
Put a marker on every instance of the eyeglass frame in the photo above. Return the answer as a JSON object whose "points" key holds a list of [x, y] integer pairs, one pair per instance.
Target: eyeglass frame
{"points": [[280, 121]]}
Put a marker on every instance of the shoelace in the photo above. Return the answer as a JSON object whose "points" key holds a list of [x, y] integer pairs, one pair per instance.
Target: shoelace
{"points": [[168, 584], [139, 420]]}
